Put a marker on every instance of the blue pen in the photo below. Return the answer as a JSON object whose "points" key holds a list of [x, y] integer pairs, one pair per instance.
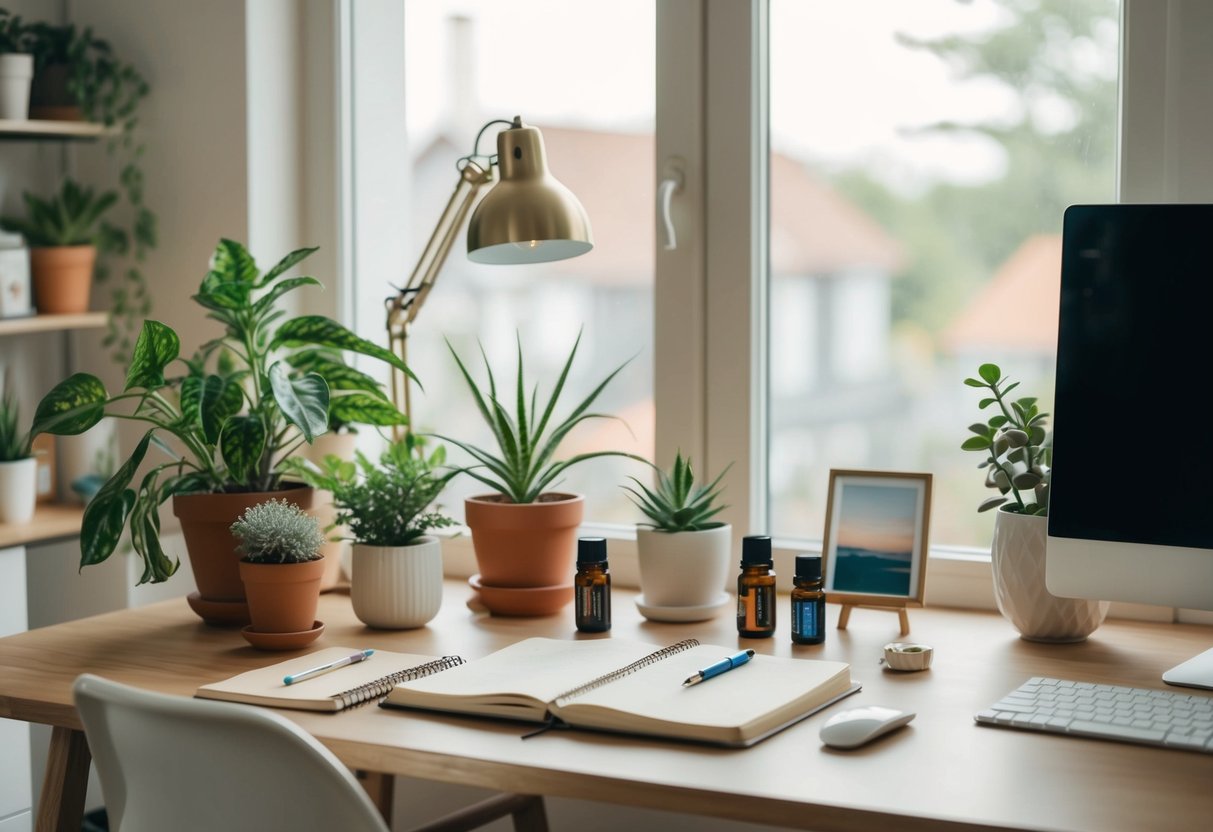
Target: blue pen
{"points": [[722, 666], [361, 655]]}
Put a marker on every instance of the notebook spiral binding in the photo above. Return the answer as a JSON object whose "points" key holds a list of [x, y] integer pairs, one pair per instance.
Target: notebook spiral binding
{"points": [[383, 685], [651, 658]]}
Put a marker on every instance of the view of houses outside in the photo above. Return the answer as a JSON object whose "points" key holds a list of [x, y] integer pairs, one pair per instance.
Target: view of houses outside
{"points": [[922, 156]]}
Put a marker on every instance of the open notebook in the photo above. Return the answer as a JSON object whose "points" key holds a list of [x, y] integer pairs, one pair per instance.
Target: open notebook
{"points": [[621, 685], [333, 691]]}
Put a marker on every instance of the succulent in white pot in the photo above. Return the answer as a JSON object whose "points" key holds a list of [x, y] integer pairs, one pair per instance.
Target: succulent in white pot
{"points": [[18, 468], [683, 550]]}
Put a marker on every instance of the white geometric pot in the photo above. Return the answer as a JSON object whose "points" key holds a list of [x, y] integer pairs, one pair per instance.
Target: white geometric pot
{"points": [[16, 74], [1018, 555], [683, 569], [17, 490], [397, 587]]}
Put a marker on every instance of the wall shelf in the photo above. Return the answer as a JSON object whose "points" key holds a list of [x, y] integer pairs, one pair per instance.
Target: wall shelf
{"points": [[52, 323], [51, 521], [36, 128]]}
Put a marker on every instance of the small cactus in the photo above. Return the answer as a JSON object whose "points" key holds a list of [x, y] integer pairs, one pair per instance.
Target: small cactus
{"points": [[676, 504], [278, 532]]}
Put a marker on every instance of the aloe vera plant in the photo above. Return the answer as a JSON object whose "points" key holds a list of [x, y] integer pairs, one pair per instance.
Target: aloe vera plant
{"points": [[1016, 443], [232, 416], [522, 468], [676, 504]]}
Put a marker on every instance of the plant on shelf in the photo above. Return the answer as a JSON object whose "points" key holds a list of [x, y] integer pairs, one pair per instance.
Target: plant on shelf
{"points": [[282, 566], [79, 76], [683, 552], [1016, 443], [523, 535], [386, 508], [16, 67], [18, 468], [236, 412]]}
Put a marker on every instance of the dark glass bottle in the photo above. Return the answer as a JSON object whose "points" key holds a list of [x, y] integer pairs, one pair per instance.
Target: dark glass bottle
{"points": [[592, 586], [756, 588], [808, 602]]}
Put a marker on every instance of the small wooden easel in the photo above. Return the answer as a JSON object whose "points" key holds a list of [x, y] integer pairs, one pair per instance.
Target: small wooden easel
{"points": [[903, 617]]}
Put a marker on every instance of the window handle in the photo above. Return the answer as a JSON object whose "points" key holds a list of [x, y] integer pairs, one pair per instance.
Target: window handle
{"points": [[665, 195]]}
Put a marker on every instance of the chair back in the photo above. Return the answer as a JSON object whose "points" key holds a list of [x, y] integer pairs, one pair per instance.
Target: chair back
{"points": [[171, 762]]}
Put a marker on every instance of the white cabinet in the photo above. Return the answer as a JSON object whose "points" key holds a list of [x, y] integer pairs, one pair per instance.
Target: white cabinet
{"points": [[14, 736]]}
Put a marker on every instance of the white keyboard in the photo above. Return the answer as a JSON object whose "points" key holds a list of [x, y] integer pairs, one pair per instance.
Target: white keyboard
{"points": [[1111, 712]]}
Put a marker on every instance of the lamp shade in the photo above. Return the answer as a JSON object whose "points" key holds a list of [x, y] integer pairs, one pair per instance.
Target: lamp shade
{"points": [[529, 216]]}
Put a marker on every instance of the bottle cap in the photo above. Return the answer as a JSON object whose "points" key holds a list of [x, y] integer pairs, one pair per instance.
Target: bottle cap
{"points": [[591, 550], [756, 550], [808, 566]]}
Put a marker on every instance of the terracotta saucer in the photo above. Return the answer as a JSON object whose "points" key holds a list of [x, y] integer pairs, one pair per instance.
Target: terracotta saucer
{"points": [[521, 601], [701, 612], [282, 641], [218, 612]]}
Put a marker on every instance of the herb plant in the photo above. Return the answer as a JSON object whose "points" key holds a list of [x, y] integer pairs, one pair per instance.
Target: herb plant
{"points": [[1017, 445], [69, 218], [227, 422], [527, 439], [14, 443], [384, 504], [676, 504], [278, 532]]}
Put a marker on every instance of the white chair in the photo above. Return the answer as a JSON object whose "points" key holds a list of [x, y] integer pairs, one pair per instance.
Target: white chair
{"points": [[172, 762]]}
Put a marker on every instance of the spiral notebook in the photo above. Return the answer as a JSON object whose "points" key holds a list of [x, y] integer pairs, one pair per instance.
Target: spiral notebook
{"points": [[627, 686], [333, 691]]}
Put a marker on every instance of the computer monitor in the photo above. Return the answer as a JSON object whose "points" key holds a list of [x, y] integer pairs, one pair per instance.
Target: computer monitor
{"points": [[1131, 500]]}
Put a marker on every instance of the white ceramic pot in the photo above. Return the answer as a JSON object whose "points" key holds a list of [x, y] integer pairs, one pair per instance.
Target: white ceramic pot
{"points": [[1018, 555], [683, 569], [397, 587], [16, 73], [17, 490]]}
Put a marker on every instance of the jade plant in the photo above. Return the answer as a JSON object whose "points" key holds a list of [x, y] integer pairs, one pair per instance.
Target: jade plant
{"points": [[278, 532], [522, 466], [385, 503], [1017, 445], [229, 418], [676, 503]]}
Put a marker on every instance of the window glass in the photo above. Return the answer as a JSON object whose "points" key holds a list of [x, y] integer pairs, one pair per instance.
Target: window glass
{"points": [[922, 155], [584, 74]]}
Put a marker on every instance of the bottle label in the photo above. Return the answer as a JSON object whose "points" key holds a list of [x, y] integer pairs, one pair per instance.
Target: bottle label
{"points": [[756, 608], [593, 604], [806, 618]]}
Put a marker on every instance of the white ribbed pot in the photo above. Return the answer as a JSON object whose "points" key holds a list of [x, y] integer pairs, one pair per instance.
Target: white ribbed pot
{"points": [[16, 74], [397, 587], [1018, 556], [683, 569], [18, 493]]}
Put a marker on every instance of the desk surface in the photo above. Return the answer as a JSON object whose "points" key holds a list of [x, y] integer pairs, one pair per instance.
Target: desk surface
{"points": [[942, 772]]}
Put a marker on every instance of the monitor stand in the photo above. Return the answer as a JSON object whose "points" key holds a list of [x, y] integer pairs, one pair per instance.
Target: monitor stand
{"points": [[1196, 672]]}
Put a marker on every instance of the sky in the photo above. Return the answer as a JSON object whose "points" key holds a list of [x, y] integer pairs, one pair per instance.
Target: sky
{"points": [[877, 517]]}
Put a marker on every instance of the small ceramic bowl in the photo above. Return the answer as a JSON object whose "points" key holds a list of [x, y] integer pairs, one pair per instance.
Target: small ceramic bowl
{"points": [[901, 655]]}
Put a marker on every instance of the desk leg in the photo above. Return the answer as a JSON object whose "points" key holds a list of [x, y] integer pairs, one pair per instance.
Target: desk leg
{"points": [[61, 806], [380, 789]]}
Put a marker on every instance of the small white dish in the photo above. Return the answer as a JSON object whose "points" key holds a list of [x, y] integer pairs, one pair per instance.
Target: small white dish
{"points": [[700, 612], [907, 656]]}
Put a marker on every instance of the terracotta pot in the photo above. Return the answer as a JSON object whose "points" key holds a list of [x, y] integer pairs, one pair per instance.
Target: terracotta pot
{"points": [[525, 544], [214, 555], [397, 587], [282, 597], [49, 97], [63, 276]]}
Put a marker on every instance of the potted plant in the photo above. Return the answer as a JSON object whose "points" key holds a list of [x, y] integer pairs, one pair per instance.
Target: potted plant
{"points": [[397, 567], [281, 571], [63, 233], [524, 536], [1018, 451], [18, 468], [16, 68], [683, 552], [227, 422]]}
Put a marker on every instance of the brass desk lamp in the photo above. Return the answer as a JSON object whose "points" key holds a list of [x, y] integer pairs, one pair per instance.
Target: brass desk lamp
{"points": [[528, 217]]}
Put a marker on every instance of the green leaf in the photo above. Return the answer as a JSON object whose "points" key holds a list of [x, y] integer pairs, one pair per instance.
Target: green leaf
{"points": [[320, 331], [271, 297], [232, 263], [338, 374], [364, 409], [990, 373], [984, 403], [975, 443], [972, 382], [105, 515], [242, 443], [73, 406], [304, 401], [991, 502], [209, 402], [998, 421], [156, 347], [285, 265], [977, 428]]}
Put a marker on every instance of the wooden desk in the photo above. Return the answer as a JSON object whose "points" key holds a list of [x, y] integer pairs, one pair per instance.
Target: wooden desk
{"points": [[942, 772]]}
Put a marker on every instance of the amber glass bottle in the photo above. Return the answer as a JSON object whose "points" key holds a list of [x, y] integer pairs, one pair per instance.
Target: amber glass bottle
{"points": [[756, 588], [808, 602], [592, 585]]}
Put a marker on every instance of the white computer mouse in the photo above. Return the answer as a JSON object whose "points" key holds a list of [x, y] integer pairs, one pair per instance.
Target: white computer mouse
{"points": [[853, 728]]}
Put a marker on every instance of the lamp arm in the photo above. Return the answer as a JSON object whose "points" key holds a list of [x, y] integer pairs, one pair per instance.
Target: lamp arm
{"points": [[402, 308]]}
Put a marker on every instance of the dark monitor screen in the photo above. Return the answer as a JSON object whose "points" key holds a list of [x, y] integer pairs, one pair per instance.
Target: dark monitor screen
{"points": [[1133, 438]]}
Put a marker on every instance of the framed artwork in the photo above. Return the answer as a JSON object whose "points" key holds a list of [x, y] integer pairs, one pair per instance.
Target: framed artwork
{"points": [[875, 550]]}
